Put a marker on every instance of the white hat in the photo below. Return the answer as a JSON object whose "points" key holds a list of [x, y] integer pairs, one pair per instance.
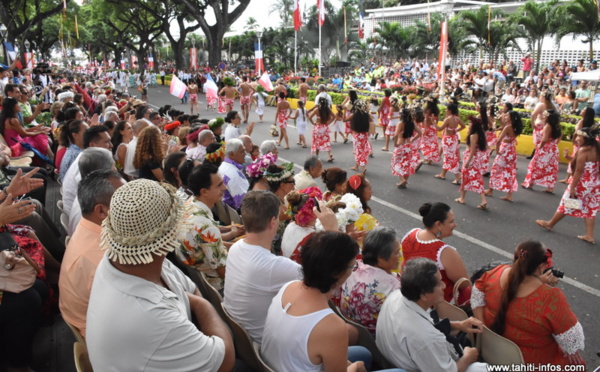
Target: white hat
{"points": [[144, 219], [64, 95]]}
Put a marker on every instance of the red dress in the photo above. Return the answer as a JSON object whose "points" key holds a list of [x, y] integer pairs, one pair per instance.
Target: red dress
{"points": [[413, 247], [384, 116], [541, 324], [472, 176], [361, 147], [429, 144], [504, 171], [450, 145], [282, 118], [588, 191], [405, 159], [221, 105], [320, 138], [543, 168]]}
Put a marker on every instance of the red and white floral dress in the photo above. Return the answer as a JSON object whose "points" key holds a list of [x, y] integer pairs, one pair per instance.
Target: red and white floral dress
{"points": [[429, 144], [361, 147], [282, 118], [472, 175], [538, 131], [221, 105], [450, 145], [543, 168], [491, 139], [320, 138], [504, 170], [587, 190], [384, 115], [390, 129]]}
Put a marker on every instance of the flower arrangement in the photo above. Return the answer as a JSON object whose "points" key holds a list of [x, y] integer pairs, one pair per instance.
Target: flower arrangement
{"points": [[229, 81], [347, 215], [218, 155], [260, 165], [287, 172], [305, 214]]}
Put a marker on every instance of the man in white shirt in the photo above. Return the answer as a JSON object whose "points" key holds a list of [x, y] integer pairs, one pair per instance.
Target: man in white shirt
{"points": [[254, 274], [405, 332], [313, 167], [323, 94], [140, 310], [128, 168]]}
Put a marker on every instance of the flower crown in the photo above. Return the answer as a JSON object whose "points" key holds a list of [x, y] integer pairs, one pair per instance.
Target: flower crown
{"points": [[305, 213], [217, 155], [361, 105], [260, 165], [229, 81], [287, 172]]}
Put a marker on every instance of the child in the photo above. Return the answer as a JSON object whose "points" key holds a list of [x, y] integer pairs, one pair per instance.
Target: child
{"points": [[339, 125], [255, 153], [259, 98], [301, 124]]}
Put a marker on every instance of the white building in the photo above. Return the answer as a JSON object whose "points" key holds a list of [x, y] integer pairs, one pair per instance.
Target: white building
{"points": [[569, 48]]}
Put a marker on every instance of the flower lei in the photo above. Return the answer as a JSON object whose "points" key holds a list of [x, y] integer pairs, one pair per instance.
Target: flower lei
{"points": [[219, 154], [287, 172], [349, 214], [305, 213], [260, 165]]}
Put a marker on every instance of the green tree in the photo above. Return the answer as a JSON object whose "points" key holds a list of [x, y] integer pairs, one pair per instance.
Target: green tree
{"points": [[474, 25], [397, 38], [579, 18], [285, 9], [251, 23], [225, 15], [539, 21]]}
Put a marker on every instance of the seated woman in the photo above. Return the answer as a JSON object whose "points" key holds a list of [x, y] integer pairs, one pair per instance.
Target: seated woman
{"points": [[518, 303], [281, 182], [368, 286], [256, 171], [170, 171], [122, 135], [71, 137], [14, 133], [361, 187], [439, 223], [335, 181], [301, 332], [150, 153]]}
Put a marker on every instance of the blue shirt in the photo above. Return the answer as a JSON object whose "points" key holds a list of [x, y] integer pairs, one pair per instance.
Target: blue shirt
{"points": [[70, 155]]}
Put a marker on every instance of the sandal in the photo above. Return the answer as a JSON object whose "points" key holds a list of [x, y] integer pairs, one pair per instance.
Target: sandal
{"points": [[459, 201], [401, 185], [385, 149], [330, 160], [544, 224], [483, 206], [455, 182]]}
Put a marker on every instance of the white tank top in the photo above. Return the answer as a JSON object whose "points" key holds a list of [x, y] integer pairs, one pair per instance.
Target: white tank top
{"points": [[285, 337]]}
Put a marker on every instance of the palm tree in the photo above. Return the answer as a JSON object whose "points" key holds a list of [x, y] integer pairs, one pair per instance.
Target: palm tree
{"points": [[539, 20], [358, 52], [397, 38], [284, 8], [251, 24], [503, 36], [579, 18], [475, 27]]}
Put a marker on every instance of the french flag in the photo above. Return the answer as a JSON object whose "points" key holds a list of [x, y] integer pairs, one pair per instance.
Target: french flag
{"points": [[210, 88], [321, 8], [265, 81], [177, 87], [297, 15]]}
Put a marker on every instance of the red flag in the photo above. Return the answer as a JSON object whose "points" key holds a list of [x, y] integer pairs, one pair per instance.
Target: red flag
{"points": [[321, 8], [297, 15], [265, 81], [443, 47]]}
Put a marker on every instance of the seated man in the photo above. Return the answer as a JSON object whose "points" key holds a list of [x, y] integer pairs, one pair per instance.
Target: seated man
{"points": [[313, 167], [83, 253], [254, 274], [231, 171], [202, 244], [405, 332], [140, 310]]}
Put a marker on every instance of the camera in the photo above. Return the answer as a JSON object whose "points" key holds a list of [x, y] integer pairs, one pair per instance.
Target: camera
{"points": [[557, 273]]}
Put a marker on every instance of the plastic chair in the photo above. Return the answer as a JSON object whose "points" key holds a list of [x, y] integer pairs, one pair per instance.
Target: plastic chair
{"points": [[82, 358], [453, 313], [207, 290], [64, 221], [265, 367], [59, 204], [78, 337], [244, 347], [498, 350], [365, 339]]}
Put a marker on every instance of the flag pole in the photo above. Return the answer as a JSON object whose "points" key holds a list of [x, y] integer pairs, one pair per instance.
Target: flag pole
{"points": [[296, 52], [320, 51]]}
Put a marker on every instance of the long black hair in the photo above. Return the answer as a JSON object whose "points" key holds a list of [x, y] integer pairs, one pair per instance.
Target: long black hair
{"points": [[324, 110], [485, 121], [516, 122], [476, 127], [409, 124], [8, 111], [554, 122]]}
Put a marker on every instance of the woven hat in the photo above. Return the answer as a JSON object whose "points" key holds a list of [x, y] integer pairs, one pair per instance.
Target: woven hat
{"points": [[144, 219]]}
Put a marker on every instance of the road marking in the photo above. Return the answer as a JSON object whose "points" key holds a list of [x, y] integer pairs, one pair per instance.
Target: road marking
{"points": [[469, 238]]}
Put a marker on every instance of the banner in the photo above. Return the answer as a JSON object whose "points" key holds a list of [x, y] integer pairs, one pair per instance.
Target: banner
{"points": [[210, 88], [297, 15], [28, 60], [122, 64], [443, 47], [133, 61], [321, 8], [259, 64], [194, 58], [177, 87], [150, 62]]}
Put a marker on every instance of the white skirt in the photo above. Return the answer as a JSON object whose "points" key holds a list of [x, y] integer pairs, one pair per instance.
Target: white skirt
{"points": [[260, 109], [338, 126], [301, 127]]}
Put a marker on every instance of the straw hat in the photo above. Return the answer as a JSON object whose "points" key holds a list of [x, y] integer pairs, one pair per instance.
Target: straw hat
{"points": [[144, 219]]}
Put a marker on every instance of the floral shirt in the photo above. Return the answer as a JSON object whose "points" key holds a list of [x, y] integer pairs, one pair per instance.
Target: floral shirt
{"points": [[201, 244], [235, 181], [364, 292]]}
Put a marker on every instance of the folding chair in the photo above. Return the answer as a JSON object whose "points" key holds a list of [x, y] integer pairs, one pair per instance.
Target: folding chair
{"points": [[78, 337], [497, 350], [64, 221], [82, 358], [265, 367], [244, 347], [453, 313], [207, 290]]}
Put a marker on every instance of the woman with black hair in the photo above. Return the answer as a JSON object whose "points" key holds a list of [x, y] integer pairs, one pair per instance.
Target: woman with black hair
{"points": [[518, 302], [474, 163], [503, 176], [429, 141], [543, 167], [71, 136], [584, 186], [405, 158], [320, 137], [450, 143], [122, 135], [360, 120], [14, 133], [281, 119], [587, 120]]}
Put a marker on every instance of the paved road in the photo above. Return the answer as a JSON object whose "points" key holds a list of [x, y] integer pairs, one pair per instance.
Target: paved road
{"points": [[481, 236]]}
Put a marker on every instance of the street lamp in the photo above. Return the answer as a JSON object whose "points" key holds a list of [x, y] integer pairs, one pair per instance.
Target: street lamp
{"points": [[259, 34], [3, 33], [27, 45]]}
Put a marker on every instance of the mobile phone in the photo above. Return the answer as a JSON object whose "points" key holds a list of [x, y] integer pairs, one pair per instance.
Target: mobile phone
{"points": [[132, 112], [317, 205]]}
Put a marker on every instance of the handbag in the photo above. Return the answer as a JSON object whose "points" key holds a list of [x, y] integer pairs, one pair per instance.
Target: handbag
{"points": [[273, 131], [21, 272], [572, 203], [462, 298]]}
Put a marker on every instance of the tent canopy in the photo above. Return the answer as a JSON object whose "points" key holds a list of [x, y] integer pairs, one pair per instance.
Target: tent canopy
{"points": [[587, 75]]}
